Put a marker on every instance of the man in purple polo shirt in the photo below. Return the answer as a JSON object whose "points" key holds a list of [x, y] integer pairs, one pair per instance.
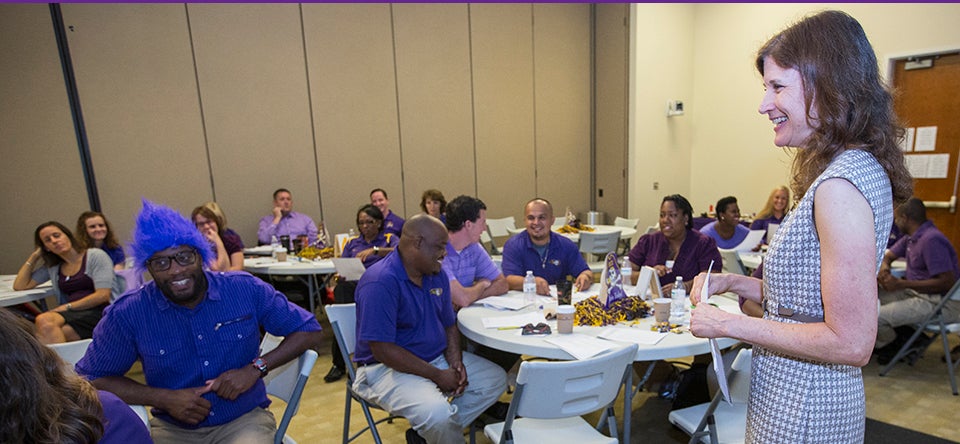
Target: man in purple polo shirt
{"points": [[283, 221], [408, 344], [197, 335], [472, 273], [549, 255], [391, 222], [932, 269]]}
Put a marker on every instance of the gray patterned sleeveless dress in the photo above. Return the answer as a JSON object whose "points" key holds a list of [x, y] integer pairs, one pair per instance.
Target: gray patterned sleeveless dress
{"points": [[797, 400]]}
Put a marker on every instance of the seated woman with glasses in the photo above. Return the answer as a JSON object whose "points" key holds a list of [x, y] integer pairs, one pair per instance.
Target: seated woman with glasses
{"points": [[677, 249], [226, 244], [94, 231], [82, 278], [370, 246]]}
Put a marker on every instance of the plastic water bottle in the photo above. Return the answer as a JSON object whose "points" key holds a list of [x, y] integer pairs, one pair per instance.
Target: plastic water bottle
{"points": [[274, 246], [678, 307], [626, 271], [529, 288]]}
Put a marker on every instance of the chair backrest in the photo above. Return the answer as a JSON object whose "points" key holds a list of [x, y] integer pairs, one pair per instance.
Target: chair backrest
{"points": [[732, 262], [559, 221], [623, 222], [287, 381], [563, 389], [653, 228], [72, 351], [343, 321], [739, 381], [498, 227], [598, 243]]}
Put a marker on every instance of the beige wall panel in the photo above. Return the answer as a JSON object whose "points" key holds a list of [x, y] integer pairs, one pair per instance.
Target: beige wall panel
{"points": [[350, 57], [503, 101], [436, 118], [42, 178], [253, 85], [562, 68], [138, 90], [612, 72]]}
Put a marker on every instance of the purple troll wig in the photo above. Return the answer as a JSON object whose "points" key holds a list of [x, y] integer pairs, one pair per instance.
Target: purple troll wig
{"points": [[160, 227]]}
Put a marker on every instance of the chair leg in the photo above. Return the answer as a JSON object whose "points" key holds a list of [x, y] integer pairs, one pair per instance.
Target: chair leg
{"points": [[946, 352], [902, 352], [346, 420]]}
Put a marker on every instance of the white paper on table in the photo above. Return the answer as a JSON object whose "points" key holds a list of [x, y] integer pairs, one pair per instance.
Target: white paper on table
{"points": [[751, 241], [714, 346], [648, 281], [581, 346], [503, 302], [349, 268], [517, 320], [634, 335]]}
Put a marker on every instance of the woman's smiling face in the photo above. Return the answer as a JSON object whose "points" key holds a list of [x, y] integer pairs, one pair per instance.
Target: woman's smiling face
{"points": [[783, 103]]}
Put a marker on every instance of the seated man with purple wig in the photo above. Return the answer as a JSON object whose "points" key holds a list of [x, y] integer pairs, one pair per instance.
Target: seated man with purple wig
{"points": [[197, 335]]}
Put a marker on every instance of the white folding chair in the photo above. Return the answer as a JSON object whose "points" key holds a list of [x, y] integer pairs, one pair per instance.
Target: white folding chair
{"points": [[598, 244], [343, 321], [732, 262], [551, 396], [287, 382], [626, 223], [499, 228], [718, 421], [935, 324], [72, 351]]}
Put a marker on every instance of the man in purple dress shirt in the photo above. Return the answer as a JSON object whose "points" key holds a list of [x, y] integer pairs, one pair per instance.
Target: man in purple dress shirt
{"points": [[391, 222], [472, 273], [197, 335], [932, 269], [283, 221]]}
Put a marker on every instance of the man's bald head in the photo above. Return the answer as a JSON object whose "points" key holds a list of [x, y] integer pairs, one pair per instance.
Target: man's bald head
{"points": [[423, 245]]}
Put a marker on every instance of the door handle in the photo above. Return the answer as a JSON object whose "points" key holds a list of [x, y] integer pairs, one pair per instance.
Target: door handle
{"points": [[950, 204]]}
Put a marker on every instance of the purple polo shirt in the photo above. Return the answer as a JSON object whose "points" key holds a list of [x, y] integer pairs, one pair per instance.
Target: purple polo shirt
{"points": [[696, 252], [181, 348], [928, 253], [121, 425], [391, 308], [358, 244], [763, 224], [393, 224], [469, 265], [739, 234], [293, 225], [563, 258]]}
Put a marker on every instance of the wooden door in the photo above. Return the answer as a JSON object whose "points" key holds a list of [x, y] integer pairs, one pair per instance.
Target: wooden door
{"points": [[931, 97]]}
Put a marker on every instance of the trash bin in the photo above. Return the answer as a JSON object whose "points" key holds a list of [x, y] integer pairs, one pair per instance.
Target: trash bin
{"points": [[595, 218]]}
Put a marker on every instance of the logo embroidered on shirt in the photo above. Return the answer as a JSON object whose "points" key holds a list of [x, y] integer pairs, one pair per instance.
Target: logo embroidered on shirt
{"points": [[555, 262], [436, 291]]}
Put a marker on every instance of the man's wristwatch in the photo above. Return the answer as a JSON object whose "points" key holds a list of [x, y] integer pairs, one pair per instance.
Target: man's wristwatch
{"points": [[376, 249], [260, 365]]}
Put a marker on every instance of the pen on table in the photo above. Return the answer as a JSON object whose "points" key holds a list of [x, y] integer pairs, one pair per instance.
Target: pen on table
{"points": [[508, 328]]}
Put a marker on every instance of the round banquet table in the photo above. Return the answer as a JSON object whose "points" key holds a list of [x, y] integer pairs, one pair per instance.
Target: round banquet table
{"points": [[305, 270], [625, 232], [470, 322]]}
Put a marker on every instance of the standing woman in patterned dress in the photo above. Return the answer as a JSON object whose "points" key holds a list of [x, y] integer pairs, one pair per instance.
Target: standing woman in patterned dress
{"points": [[819, 291]]}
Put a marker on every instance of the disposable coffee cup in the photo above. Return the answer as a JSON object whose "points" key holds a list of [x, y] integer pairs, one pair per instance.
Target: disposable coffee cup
{"points": [[661, 309], [281, 255], [565, 318], [669, 265]]}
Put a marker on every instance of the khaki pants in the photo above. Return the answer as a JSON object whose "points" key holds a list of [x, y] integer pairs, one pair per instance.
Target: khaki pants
{"points": [[907, 307], [255, 427]]}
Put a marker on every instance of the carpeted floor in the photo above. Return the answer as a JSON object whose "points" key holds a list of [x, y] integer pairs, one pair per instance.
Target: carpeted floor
{"points": [[883, 433]]}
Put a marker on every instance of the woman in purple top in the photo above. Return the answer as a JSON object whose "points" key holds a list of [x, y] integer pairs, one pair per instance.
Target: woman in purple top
{"points": [[82, 279], [45, 402], [773, 212], [727, 231], [433, 203], [94, 231], [226, 244], [370, 246], [677, 241]]}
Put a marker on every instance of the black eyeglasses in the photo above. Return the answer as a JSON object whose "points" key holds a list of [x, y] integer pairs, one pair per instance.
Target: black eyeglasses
{"points": [[162, 263]]}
